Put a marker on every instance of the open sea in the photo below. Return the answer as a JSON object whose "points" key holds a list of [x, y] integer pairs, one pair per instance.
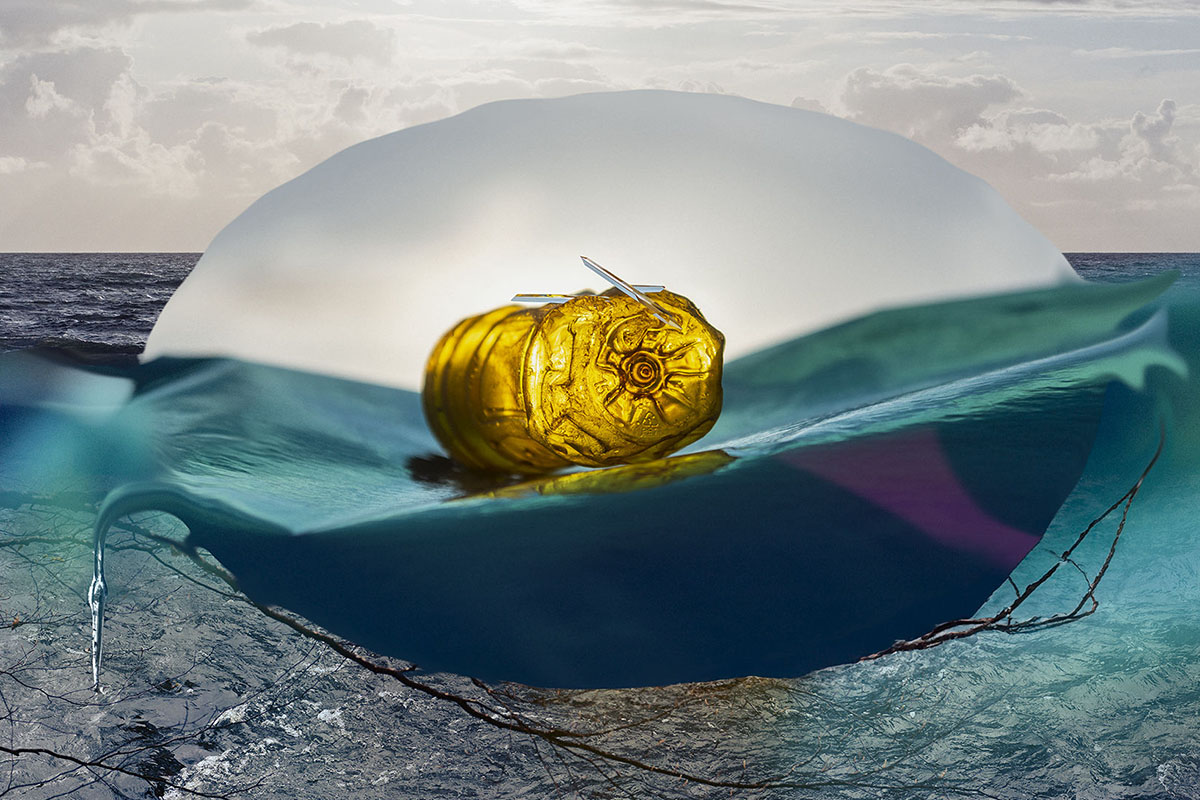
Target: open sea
{"points": [[95, 302], [204, 694]]}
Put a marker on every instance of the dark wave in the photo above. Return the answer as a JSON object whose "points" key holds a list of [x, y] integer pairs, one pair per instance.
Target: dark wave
{"points": [[81, 351], [99, 304]]}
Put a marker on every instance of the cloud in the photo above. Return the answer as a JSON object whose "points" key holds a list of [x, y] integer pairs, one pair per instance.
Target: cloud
{"points": [[1144, 8], [36, 22], [1092, 184], [50, 102], [701, 6], [1126, 6], [175, 113], [346, 40], [1147, 155], [808, 104], [11, 165], [1155, 131], [78, 116], [76, 123], [1096, 185], [1132, 52], [919, 36], [661, 13], [1040, 129], [351, 106], [921, 104], [553, 50], [675, 13]]}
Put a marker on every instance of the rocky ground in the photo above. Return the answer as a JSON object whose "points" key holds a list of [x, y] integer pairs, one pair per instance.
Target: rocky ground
{"points": [[206, 695]]}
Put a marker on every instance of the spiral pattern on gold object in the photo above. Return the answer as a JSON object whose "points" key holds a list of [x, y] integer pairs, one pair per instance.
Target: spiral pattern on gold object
{"points": [[595, 381]]}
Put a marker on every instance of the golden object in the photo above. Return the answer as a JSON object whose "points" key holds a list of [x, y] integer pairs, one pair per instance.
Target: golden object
{"points": [[593, 380]]}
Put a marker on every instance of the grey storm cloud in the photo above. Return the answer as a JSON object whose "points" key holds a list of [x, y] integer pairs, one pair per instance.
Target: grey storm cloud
{"points": [[31, 22], [348, 40]]}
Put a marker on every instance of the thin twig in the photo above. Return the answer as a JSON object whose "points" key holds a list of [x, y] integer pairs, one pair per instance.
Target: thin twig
{"points": [[961, 628]]}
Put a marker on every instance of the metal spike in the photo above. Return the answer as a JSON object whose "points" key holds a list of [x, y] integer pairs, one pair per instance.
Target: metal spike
{"points": [[632, 291], [542, 298]]}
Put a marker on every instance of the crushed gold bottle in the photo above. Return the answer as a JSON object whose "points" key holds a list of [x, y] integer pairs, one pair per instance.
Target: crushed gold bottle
{"points": [[594, 380]]}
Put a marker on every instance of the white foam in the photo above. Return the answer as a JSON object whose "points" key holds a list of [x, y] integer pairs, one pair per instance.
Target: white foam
{"points": [[775, 221]]}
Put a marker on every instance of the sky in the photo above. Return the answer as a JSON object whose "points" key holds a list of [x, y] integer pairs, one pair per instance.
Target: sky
{"points": [[147, 125]]}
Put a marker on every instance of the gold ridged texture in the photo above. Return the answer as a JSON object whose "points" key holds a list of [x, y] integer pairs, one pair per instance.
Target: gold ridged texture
{"points": [[595, 381]]}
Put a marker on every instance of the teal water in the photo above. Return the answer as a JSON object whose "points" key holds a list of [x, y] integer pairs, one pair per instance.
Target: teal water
{"points": [[1105, 707], [304, 469]]}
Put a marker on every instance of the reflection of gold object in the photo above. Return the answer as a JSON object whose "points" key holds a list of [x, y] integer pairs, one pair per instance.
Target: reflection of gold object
{"points": [[594, 380], [627, 478]]}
